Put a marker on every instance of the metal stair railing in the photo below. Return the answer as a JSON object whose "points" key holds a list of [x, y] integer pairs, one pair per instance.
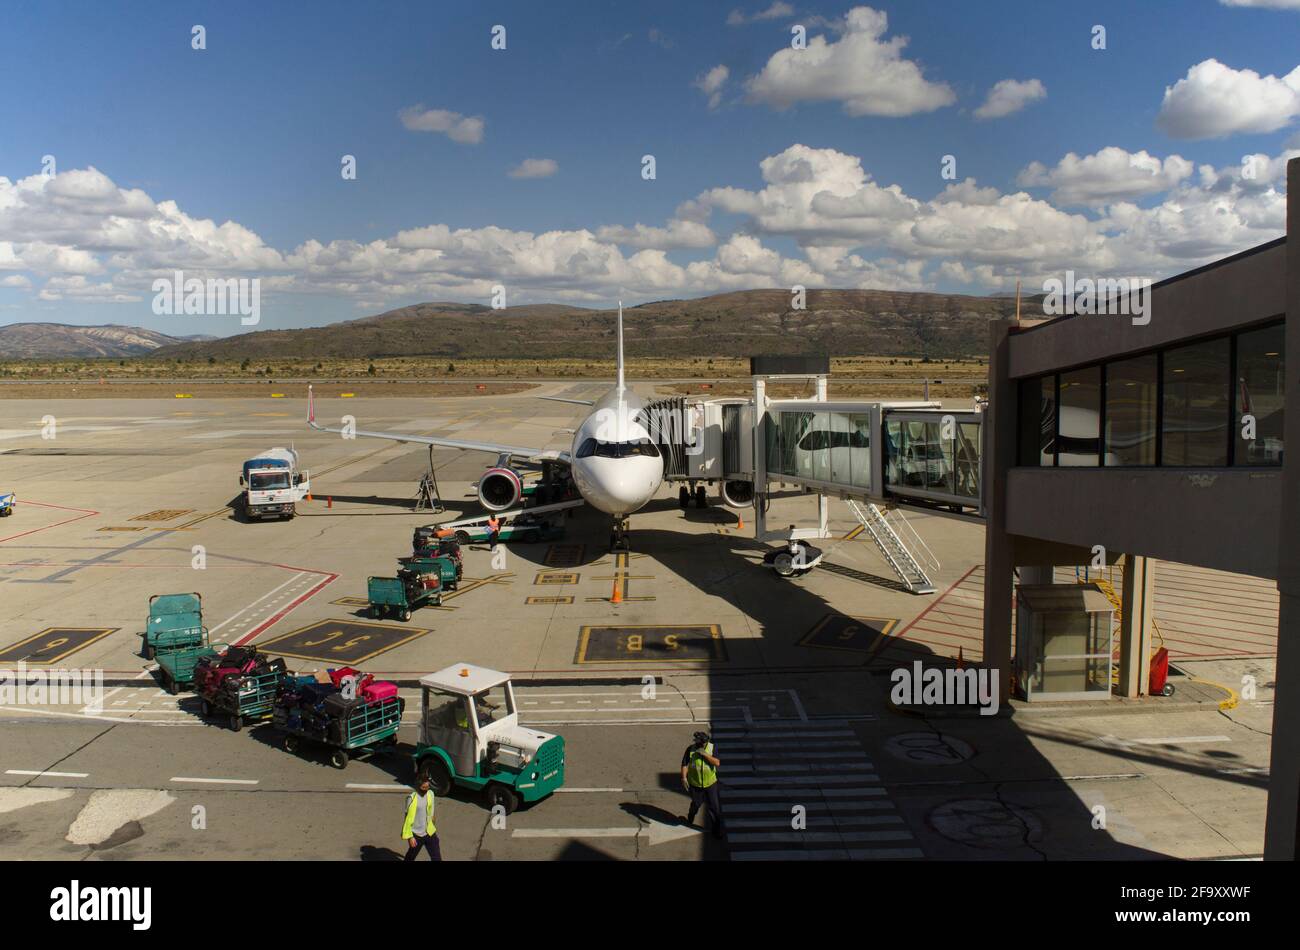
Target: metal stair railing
{"points": [[891, 546]]}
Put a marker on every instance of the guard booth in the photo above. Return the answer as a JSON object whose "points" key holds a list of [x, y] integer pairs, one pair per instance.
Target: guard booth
{"points": [[1065, 637]]}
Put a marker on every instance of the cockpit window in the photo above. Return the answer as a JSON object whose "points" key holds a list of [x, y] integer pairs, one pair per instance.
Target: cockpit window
{"points": [[617, 450]]}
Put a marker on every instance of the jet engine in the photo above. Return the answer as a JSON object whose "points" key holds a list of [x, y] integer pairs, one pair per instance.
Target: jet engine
{"points": [[499, 489], [737, 494]]}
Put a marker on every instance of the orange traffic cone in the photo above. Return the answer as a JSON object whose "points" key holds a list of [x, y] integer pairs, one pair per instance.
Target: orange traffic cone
{"points": [[618, 592], [740, 525]]}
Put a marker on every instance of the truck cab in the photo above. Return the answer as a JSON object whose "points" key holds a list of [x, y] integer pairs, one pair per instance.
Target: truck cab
{"points": [[273, 484], [470, 737]]}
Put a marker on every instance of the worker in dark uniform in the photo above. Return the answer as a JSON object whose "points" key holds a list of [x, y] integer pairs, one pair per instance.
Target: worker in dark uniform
{"points": [[700, 778]]}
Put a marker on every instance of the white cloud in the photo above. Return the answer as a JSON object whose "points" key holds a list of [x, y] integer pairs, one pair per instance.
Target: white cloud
{"points": [[659, 38], [15, 280], [1010, 95], [711, 84], [1263, 4], [776, 11], [535, 168], [679, 234], [468, 130], [1214, 100], [86, 239], [1111, 174], [865, 73]]}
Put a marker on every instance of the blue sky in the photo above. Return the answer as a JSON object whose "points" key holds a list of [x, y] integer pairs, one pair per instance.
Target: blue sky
{"points": [[251, 130]]}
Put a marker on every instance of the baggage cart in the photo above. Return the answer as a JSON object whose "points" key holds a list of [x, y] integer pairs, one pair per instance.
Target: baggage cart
{"points": [[175, 620], [398, 596], [368, 728], [255, 698], [176, 664]]}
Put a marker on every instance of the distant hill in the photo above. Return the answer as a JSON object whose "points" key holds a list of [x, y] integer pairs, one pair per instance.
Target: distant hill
{"points": [[61, 341], [839, 322]]}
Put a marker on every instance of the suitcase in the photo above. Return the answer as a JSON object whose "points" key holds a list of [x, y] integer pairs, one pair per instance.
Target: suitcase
{"points": [[378, 691], [336, 707], [362, 679]]}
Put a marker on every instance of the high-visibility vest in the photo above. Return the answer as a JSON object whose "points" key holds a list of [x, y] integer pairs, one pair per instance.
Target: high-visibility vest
{"points": [[410, 813], [701, 773]]}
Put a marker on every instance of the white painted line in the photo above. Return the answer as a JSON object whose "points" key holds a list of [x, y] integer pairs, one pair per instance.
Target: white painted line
{"points": [[214, 781], [366, 787], [833, 854], [782, 837], [47, 774], [1178, 740], [803, 779], [256, 602], [588, 790]]}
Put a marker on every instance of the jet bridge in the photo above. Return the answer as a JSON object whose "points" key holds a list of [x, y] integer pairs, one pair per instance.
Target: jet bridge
{"points": [[879, 457]]}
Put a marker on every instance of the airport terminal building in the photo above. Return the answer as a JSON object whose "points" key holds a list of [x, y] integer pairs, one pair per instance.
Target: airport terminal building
{"points": [[1159, 440]]}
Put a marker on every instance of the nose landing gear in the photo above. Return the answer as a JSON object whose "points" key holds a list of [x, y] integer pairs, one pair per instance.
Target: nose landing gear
{"points": [[618, 537]]}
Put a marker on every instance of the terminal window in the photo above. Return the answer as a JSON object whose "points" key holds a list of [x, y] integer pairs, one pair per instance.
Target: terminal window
{"points": [[1195, 412], [1259, 397], [1131, 411]]}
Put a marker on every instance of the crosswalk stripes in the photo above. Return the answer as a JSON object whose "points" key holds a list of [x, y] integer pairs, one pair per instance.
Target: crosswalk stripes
{"points": [[768, 769]]}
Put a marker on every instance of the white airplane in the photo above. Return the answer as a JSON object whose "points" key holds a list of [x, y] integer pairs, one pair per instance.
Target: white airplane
{"points": [[615, 464]]}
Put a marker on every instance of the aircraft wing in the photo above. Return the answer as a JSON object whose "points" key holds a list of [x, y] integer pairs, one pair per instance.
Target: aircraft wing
{"points": [[496, 448], [576, 402]]}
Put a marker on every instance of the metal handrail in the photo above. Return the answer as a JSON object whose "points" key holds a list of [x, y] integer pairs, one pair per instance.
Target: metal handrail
{"points": [[930, 560]]}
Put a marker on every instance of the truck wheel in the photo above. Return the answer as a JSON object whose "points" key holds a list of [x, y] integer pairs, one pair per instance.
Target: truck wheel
{"points": [[1168, 690], [236, 722], [148, 652], [404, 616], [205, 708], [684, 497], [173, 687], [503, 795], [290, 743], [462, 537], [436, 772], [339, 759]]}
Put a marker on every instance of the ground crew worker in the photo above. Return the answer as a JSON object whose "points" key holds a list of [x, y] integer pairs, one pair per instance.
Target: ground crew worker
{"points": [[494, 531], [418, 829], [700, 778]]}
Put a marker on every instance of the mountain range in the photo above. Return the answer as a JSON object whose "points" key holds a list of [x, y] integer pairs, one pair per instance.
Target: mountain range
{"points": [[838, 322]]}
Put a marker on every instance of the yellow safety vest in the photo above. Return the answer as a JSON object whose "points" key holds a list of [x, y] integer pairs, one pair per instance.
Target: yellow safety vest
{"points": [[410, 814], [700, 773]]}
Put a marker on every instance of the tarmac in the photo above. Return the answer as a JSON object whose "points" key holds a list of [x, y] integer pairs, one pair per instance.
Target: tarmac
{"points": [[135, 497]]}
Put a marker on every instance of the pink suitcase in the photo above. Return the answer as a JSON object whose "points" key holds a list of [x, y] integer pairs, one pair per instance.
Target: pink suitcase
{"points": [[378, 691]]}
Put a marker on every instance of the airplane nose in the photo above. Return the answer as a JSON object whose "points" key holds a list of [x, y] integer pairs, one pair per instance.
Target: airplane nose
{"points": [[621, 486]]}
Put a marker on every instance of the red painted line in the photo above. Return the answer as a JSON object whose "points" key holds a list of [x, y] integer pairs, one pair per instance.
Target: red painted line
{"points": [[272, 620], [88, 514], [936, 603], [892, 641], [948, 633], [950, 620]]}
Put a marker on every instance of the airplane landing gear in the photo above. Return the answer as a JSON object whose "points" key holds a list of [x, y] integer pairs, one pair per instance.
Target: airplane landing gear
{"points": [[684, 497], [618, 537]]}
